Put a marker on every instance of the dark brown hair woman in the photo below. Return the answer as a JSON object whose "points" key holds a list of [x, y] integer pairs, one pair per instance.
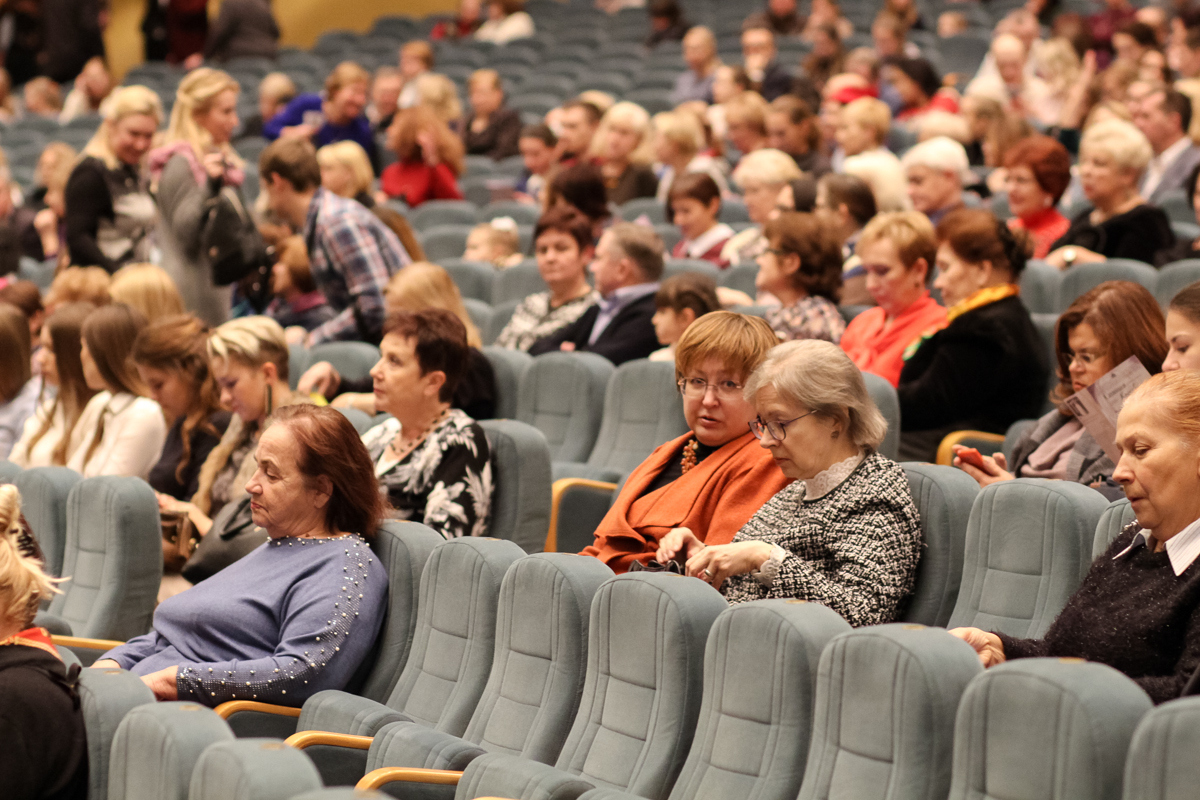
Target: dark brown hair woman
{"points": [[803, 268]]}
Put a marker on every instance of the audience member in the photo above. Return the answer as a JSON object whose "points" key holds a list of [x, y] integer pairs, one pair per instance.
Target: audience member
{"points": [[42, 97], [695, 204], [845, 533], [700, 55], [497, 242], [934, 170], [862, 127], [759, 60], [430, 156], [332, 116], [27, 297], [802, 267], [728, 82], [18, 390], [1183, 247], [827, 57], [41, 222], [761, 175], [385, 97], [792, 128], [746, 124], [711, 480], [275, 91], [580, 189], [507, 21], [297, 301], [987, 367], [850, 202], [680, 301], [431, 458], [678, 145], [1183, 330], [779, 16], [918, 87], [242, 29], [493, 130], [1164, 117], [623, 148], [889, 38], [439, 94], [883, 172], [898, 251], [537, 145], [1023, 94], [627, 268], [577, 128], [1038, 171], [416, 59], [667, 23], [79, 285], [148, 289], [110, 213]]}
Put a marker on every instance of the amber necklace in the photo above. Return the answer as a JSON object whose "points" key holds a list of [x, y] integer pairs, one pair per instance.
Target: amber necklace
{"points": [[689, 456]]}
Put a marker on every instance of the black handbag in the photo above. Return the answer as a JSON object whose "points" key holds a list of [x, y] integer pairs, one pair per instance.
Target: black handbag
{"points": [[230, 243], [233, 535]]}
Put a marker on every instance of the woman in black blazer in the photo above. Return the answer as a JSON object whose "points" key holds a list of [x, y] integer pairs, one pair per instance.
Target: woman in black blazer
{"points": [[987, 367]]}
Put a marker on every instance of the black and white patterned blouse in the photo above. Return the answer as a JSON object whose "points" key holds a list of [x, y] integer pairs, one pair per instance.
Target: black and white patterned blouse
{"points": [[854, 549], [534, 319], [446, 483]]}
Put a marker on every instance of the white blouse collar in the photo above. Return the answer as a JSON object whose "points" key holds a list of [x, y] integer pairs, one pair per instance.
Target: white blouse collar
{"points": [[829, 479]]}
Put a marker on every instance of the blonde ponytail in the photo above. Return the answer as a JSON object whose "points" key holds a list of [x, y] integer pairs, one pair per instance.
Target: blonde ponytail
{"points": [[23, 584]]}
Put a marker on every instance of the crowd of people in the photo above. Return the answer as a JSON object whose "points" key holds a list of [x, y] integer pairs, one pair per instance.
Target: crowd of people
{"points": [[868, 257]]}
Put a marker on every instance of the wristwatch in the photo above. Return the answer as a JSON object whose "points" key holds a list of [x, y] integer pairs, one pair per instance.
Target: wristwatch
{"points": [[1069, 255]]}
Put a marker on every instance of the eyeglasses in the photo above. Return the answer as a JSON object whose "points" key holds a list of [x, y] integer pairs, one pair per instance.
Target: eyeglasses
{"points": [[697, 388], [776, 429]]}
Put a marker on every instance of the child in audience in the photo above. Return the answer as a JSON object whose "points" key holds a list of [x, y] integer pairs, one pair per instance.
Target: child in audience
{"points": [[497, 243], [539, 148], [43, 98], [695, 203], [275, 91], [298, 302], [681, 300]]}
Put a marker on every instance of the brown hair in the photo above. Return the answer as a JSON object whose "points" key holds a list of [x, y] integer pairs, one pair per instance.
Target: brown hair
{"points": [[79, 285], [25, 295], [798, 112], [408, 124], [1127, 321], [178, 344], [976, 236], [441, 343], [65, 326], [421, 286], [293, 254], [345, 74], [813, 238], [149, 289], [294, 160], [564, 220], [420, 49], [688, 290], [740, 341], [110, 332], [697, 186], [1187, 301], [1047, 158], [331, 448], [15, 347], [852, 192]]}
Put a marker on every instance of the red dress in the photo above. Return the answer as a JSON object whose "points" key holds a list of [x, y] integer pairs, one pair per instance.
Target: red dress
{"points": [[415, 182]]}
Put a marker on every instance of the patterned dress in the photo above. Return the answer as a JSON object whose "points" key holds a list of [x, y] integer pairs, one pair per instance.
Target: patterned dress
{"points": [[534, 319], [446, 483], [811, 318]]}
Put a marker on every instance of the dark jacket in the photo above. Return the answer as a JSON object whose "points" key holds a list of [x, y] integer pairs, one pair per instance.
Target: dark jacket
{"points": [[97, 235], [1139, 233], [243, 28], [499, 139], [776, 82], [73, 35], [630, 335], [984, 371], [163, 476], [638, 180]]}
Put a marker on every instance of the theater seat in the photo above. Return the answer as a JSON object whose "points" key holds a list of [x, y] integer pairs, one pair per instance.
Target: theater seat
{"points": [[1162, 763], [883, 394], [8, 471], [1038, 728], [1112, 522], [1085, 277], [157, 747], [361, 421], [1173, 277], [1029, 544], [884, 723], [105, 697], [509, 367], [44, 493], [944, 497], [352, 360], [640, 700], [517, 282], [562, 395], [252, 769], [521, 483]]}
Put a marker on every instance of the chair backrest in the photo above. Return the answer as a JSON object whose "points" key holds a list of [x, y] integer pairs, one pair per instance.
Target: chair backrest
{"points": [[1045, 324], [509, 366], [1112, 522], [1079, 280], [760, 678], [1040, 287], [252, 769], [883, 394], [479, 312], [106, 696], [473, 279], [501, 315], [44, 493], [1045, 727], [678, 266], [1029, 544], [352, 360], [884, 722], [642, 409], [654, 210], [521, 483], [517, 282], [442, 212], [8, 471], [157, 747], [1162, 763], [1175, 276], [944, 497], [562, 395], [113, 556], [403, 549], [299, 360], [741, 277], [646, 647], [361, 420], [456, 632]]}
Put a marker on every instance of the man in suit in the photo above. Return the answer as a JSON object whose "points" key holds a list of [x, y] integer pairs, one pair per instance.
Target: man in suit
{"points": [[627, 268], [1164, 116]]}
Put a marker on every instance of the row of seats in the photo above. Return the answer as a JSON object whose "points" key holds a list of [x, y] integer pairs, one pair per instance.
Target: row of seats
{"points": [[1046, 290], [464, 212]]}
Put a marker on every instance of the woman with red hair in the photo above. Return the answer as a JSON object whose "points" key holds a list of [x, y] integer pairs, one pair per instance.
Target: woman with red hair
{"points": [[431, 158], [1038, 172]]}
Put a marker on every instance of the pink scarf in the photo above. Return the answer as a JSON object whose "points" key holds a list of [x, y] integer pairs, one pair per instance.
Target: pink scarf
{"points": [[234, 175]]}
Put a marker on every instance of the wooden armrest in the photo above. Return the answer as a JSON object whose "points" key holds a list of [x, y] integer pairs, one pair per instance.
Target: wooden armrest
{"points": [[305, 739], [945, 451], [103, 645], [559, 488], [227, 709], [378, 777]]}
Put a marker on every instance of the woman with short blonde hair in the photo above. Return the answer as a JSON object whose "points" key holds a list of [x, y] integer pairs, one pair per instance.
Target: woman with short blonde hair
{"points": [[345, 169], [678, 140], [761, 175], [149, 289], [623, 147]]}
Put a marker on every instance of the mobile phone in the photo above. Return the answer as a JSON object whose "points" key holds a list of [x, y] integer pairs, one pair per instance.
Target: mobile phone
{"points": [[969, 455]]}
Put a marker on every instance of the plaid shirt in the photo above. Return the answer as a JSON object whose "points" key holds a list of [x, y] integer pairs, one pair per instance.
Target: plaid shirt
{"points": [[353, 255]]}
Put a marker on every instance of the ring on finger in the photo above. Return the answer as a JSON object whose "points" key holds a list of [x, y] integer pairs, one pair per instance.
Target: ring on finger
{"points": [[708, 574]]}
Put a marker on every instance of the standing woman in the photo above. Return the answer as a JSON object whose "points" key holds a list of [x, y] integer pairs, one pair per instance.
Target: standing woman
{"points": [[110, 213], [121, 431], [193, 164], [624, 149]]}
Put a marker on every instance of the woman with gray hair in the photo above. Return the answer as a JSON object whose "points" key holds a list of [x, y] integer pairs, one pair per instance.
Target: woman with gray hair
{"points": [[846, 533]]}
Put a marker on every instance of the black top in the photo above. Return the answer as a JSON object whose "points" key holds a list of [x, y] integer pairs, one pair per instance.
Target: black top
{"points": [[776, 82], [45, 752], [638, 180], [475, 395], [89, 198], [1134, 614], [499, 139], [814, 163], [629, 335], [162, 474], [1138, 234], [983, 371], [673, 471]]}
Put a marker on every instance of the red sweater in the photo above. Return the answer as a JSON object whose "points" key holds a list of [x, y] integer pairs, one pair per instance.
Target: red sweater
{"points": [[415, 182]]}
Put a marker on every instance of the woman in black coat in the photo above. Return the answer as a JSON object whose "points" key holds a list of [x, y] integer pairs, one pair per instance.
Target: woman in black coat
{"points": [[494, 130], [987, 367]]}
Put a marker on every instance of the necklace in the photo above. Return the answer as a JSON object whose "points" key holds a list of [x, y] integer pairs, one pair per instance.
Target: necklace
{"points": [[402, 452], [689, 455]]}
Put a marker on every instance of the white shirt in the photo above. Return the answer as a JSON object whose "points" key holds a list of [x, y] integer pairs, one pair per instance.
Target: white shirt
{"points": [[1182, 548], [133, 438], [696, 248], [518, 25], [1158, 165], [42, 452]]}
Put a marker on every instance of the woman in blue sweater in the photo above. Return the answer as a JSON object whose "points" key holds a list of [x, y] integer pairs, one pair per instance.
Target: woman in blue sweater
{"points": [[297, 615]]}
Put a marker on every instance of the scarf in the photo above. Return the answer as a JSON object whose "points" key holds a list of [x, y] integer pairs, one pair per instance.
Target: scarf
{"points": [[977, 299], [235, 175], [33, 637]]}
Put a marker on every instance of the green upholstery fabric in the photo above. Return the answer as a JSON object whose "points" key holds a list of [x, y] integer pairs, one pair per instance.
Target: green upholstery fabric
{"points": [[562, 395], [252, 769], [517, 282], [1173, 277], [473, 279], [944, 496], [106, 696], [1040, 284], [352, 360], [1162, 763], [1029, 543], [1040, 728], [521, 488], [8, 471], [581, 509], [113, 556], [509, 367], [883, 394], [361, 421], [641, 697], [156, 749], [44, 493], [884, 723], [1083, 279], [1112, 522]]}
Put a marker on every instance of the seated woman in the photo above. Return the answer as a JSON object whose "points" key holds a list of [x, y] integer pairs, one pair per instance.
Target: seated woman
{"points": [[803, 268], [430, 158], [121, 431], [297, 302], [711, 480], [18, 390], [623, 149], [1120, 224], [563, 247], [918, 87], [46, 755], [679, 145], [1183, 330], [986, 369], [761, 175], [898, 251], [334, 115], [851, 202], [1137, 610], [846, 533], [695, 201], [1038, 172], [148, 289], [493, 130], [580, 189], [507, 20], [261, 629], [171, 359], [1100, 330], [680, 301], [431, 458]]}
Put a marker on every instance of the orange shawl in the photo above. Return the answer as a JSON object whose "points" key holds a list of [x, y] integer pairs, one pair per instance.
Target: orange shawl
{"points": [[714, 499]]}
